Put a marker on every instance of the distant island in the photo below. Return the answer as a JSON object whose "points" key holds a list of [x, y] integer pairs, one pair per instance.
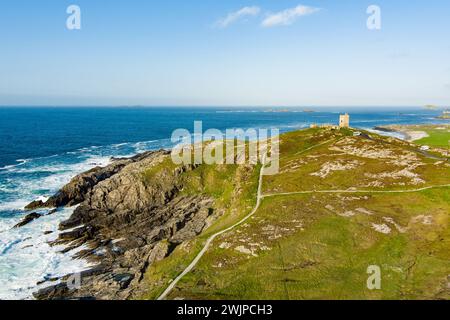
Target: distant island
{"points": [[445, 114], [285, 110]]}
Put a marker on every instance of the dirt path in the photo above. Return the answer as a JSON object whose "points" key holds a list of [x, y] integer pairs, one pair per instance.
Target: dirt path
{"points": [[260, 196], [354, 191], [214, 236], [211, 239]]}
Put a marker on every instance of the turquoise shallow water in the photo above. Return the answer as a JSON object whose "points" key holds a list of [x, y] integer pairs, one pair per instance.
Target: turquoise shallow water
{"points": [[41, 149]]}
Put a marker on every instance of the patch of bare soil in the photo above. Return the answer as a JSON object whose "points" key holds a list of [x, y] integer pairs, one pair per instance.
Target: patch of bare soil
{"points": [[369, 150], [339, 165], [381, 228]]}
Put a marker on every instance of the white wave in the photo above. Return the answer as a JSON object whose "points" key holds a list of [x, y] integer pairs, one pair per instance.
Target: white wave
{"points": [[140, 147], [42, 198], [13, 205], [21, 162], [61, 166], [88, 149], [6, 188], [26, 257], [25, 190], [93, 152], [118, 145]]}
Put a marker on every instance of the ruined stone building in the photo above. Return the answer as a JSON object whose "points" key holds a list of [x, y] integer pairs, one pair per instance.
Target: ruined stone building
{"points": [[344, 121]]}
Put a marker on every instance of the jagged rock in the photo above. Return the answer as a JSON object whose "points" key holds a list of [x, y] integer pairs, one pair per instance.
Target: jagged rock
{"points": [[28, 218], [35, 205], [76, 190], [159, 252], [126, 223], [53, 292], [123, 279]]}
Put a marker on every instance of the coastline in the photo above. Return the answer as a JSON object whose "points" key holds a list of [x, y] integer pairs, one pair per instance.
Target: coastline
{"points": [[94, 161], [99, 234], [408, 135], [413, 132]]}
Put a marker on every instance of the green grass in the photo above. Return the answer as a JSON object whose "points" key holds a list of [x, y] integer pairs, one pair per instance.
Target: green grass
{"points": [[436, 138], [308, 246], [299, 163], [329, 256], [234, 189], [438, 134]]}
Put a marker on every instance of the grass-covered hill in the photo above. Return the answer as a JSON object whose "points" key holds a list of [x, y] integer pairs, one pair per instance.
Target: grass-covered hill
{"points": [[339, 204]]}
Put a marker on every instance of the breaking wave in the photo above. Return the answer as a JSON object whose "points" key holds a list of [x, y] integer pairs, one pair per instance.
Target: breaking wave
{"points": [[26, 257]]}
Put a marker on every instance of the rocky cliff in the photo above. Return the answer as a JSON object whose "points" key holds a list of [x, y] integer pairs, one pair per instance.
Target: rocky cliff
{"points": [[125, 221]]}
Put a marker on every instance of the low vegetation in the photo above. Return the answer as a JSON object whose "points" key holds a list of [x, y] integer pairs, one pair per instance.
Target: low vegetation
{"points": [[380, 201], [438, 136], [319, 247], [234, 189]]}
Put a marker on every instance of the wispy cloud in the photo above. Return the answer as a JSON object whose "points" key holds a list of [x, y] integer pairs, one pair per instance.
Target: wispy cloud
{"points": [[235, 16], [288, 16]]}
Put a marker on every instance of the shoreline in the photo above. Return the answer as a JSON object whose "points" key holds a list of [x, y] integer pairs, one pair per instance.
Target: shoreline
{"points": [[405, 133], [411, 132]]}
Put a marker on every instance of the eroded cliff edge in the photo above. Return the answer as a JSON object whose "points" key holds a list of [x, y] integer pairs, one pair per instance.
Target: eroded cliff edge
{"points": [[129, 215]]}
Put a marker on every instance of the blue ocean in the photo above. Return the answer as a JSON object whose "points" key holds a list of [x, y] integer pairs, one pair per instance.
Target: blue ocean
{"points": [[42, 148]]}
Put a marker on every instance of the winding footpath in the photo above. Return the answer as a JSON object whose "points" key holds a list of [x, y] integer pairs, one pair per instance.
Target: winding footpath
{"points": [[260, 196], [211, 239], [355, 191]]}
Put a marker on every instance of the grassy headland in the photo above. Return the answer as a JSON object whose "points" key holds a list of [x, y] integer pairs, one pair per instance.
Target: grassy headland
{"points": [[339, 204]]}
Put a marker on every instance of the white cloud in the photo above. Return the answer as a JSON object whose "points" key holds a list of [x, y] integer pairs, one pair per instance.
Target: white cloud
{"points": [[234, 16], [288, 16]]}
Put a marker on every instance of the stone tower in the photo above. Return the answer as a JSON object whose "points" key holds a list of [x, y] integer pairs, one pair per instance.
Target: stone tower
{"points": [[344, 121]]}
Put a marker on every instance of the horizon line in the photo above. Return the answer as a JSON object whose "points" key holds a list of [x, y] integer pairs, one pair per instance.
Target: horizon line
{"points": [[218, 106]]}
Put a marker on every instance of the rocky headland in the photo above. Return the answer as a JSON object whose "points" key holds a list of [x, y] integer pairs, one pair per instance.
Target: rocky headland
{"points": [[141, 221], [124, 221]]}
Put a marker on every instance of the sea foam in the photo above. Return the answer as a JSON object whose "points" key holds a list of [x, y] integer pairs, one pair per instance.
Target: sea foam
{"points": [[26, 257]]}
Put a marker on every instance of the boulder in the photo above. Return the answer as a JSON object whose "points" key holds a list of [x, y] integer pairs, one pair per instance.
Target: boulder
{"points": [[35, 205], [28, 218]]}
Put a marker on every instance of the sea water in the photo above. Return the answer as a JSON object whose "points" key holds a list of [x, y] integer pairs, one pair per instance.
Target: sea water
{"points": [[41, 149]]}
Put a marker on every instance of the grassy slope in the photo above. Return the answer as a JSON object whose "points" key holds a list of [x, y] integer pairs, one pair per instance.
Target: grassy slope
{"points": [[297, 169], [311, 253], [436, 138], [234, 189], [318, 246]]}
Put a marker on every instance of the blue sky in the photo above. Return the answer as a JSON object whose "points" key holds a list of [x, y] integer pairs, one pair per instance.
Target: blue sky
{"points": [[189, 53]]}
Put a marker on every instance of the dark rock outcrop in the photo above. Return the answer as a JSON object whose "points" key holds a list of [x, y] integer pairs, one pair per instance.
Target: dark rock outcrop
{"points": [[38, 204], [126, 222], [33, 216], [75, 191], [384, 129], [28, 218]]}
